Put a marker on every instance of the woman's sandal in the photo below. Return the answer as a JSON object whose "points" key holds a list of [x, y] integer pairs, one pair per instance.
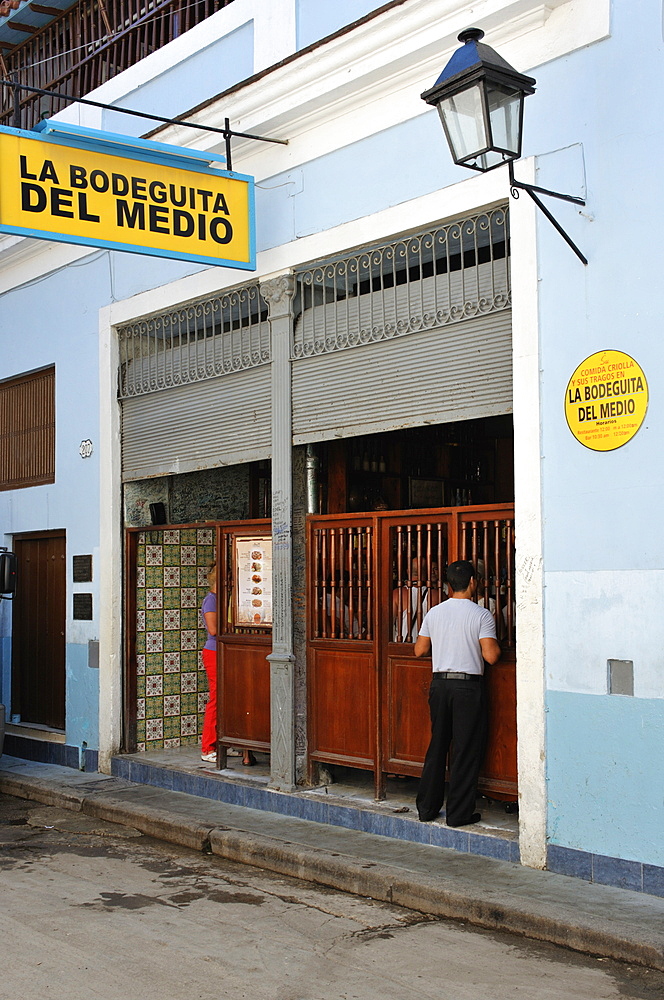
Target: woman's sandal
{"points": [[248, 759]]}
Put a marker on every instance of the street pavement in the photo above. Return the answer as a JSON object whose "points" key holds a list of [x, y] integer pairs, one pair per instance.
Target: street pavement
{"points": [[495, 895], [95, 909]]}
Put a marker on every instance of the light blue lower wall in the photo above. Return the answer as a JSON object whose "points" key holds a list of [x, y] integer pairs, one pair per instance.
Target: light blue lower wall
{"points": [[605, 777], [82, 705], [5, 672]]}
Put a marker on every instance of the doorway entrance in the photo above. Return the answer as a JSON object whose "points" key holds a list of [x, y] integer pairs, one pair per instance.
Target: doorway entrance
{"points": [[38, 630], [457, 464], [371, 580], [165, 687]]}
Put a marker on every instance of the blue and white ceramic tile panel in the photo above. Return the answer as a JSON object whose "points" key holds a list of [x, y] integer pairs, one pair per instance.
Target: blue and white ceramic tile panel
{"points": [[171, 582]]}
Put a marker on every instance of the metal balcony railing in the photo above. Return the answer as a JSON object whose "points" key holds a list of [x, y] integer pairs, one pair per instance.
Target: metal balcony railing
{"points": [[89, 44]]}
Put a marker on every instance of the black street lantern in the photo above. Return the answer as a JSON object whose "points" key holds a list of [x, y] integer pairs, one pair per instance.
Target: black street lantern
{"points": [[479, 98]]}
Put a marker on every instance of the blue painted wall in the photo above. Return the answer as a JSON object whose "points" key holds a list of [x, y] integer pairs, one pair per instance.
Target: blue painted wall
{"points": [[603, 550], [606, 782], [208, 72], [290, 205], [55, 320], [316, 19], [82, 702]]}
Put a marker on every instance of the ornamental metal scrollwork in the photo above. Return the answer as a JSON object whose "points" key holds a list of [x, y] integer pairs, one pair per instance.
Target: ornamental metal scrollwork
{"points": [[194, 342], [445, 275]]}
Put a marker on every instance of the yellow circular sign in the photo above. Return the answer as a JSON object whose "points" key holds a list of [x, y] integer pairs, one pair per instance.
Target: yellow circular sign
{"points": [[606, 400]]}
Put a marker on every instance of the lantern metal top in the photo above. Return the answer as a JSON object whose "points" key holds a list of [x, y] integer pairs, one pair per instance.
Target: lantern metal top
{"points": [[476, 61]]}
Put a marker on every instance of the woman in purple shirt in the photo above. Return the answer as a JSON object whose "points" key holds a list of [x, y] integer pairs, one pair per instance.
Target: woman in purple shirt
{"points": [[209, 613]]}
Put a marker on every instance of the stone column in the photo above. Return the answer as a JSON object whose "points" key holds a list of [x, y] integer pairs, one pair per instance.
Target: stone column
{"points": [[299, 586], [278, 293]]}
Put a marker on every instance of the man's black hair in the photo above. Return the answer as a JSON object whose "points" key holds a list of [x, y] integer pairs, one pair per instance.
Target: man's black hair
{"points": [[459, 575]]}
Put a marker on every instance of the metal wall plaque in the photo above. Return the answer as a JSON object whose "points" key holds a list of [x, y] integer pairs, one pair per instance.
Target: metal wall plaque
{"points": [[82, 569], [606, 400], [83, 607]]}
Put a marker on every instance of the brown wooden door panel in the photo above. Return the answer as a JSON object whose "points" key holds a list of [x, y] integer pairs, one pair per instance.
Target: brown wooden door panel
{"points": [[245, 693], [243, 706], [38, 632], [499, 773], [343, 704], [407, 716]]}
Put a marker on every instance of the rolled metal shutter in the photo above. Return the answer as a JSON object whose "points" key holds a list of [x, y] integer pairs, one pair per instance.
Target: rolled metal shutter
{"points": [[218, 421], [457, 372]]}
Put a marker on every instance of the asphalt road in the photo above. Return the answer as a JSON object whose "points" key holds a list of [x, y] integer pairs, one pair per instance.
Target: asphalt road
{"points": [[95, 910]]}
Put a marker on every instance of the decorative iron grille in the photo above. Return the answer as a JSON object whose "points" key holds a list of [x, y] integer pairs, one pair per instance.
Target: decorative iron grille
{"points": [[454, 272], [215, 336]]}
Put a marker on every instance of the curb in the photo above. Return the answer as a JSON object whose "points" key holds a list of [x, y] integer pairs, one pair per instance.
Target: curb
{"points": [[416, 892], [174, 828], [41, 791], [444, 896]]}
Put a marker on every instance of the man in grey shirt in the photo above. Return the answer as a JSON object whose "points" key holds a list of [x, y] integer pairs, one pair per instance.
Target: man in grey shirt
{"points": [[460, 636]]}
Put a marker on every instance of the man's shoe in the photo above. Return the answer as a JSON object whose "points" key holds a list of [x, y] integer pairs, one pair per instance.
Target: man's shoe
{"points": [[427, 819], [475, 818]]}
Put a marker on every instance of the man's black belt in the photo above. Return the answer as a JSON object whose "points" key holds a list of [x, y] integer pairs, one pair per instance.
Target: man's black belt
{"points": [[456, 675]]}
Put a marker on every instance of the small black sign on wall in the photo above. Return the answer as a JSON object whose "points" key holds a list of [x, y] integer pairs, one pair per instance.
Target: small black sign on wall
{"points": [[83, 607], [82, 569]]}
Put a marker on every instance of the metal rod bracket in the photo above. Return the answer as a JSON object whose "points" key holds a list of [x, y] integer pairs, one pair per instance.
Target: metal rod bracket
{"points": [[226, 132], [531, 189]]}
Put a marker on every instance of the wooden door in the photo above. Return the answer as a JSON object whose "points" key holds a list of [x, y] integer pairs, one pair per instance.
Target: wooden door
{"points": [[371, 579], [38, 630], [414, 553], [244, 639], [415, 548], [342, 673], [486, 538]]}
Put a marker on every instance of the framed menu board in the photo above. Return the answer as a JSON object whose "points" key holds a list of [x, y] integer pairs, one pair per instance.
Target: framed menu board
{"points": [[253, 581]]}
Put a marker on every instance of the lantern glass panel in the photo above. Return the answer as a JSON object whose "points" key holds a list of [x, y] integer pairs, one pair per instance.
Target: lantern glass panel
{"points": [[505, 118], [463, 120]]}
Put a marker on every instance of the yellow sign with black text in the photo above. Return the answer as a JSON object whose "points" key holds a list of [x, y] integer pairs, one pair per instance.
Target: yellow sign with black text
{"points": [[142, 200], [606, 400]]}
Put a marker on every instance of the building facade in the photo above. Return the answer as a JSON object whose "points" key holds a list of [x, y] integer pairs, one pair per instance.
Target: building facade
{"points": [[406, 344]]}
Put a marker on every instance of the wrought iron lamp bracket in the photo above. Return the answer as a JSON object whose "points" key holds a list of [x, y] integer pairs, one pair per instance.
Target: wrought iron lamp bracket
{"points": [[516, 186]]}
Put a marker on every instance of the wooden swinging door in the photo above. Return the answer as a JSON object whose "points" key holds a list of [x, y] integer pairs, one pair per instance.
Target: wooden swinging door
{"points": [[342, 676], [486, 538], [415, 550], [244, 627], [371, 580]]}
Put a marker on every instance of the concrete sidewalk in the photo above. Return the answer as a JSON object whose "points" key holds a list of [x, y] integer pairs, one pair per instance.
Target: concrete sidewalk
{"points": [[497, 895]]}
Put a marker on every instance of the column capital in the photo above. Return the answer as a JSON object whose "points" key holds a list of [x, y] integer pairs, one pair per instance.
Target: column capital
{"points": [[278, 293]]}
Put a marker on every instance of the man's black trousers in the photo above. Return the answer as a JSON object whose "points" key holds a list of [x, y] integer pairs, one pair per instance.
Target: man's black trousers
{"points": [[458, 717]]}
